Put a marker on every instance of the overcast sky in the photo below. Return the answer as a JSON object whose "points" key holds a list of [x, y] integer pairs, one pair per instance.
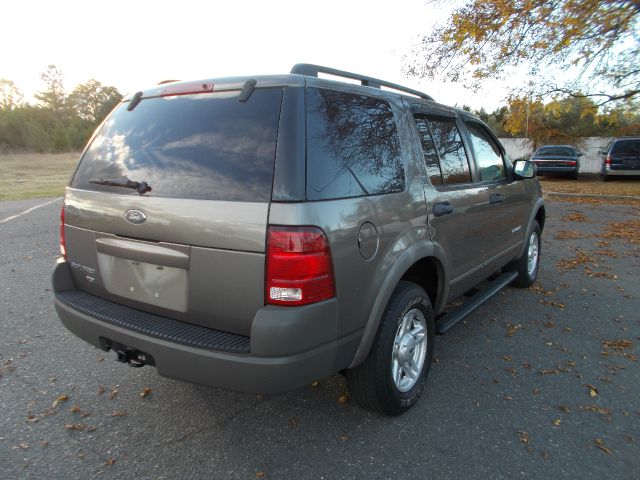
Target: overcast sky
{"points": [[134, 44]]}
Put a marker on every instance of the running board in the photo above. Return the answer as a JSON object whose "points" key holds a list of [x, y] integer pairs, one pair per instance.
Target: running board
{"points": [[445, 323]]}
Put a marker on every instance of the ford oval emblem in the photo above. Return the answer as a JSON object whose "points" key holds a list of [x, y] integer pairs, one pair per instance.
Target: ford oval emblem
{"points": [[135, 216]]}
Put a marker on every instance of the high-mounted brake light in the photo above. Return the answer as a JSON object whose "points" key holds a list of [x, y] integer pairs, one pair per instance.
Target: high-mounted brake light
{"points": [[187, 89], [299, 269], [63, 242]]}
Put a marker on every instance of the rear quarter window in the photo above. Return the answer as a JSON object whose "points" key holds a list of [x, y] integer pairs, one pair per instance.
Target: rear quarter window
{"points": [[205, 146], [353, 148]]}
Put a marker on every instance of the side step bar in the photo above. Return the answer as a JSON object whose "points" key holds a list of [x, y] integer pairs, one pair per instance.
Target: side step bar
{"points": [[446, 322]]}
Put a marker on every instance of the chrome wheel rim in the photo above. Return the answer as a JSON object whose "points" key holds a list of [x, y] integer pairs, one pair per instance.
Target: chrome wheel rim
{"points": [[409, 350], [532, 255]]}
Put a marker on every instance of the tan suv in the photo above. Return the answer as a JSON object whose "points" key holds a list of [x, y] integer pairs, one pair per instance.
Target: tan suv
{"points": [[258, 233]]}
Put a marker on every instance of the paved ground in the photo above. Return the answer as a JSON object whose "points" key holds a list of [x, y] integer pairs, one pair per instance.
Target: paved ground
{"points": [[524, 389]]}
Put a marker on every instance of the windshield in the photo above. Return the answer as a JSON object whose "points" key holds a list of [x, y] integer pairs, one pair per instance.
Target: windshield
{"points": [[206, 146]]}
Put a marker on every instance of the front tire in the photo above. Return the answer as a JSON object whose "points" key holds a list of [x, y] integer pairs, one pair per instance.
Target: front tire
{"points": [[392, 378], [527, 266]]}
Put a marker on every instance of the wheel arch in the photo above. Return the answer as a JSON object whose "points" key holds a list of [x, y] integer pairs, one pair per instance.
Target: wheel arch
{"points": [[422, 259]]}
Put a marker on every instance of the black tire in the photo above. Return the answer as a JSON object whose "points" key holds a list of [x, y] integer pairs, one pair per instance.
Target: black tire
{"points": [[371, 384], [526, 277], [574, 176], [606, 178]]}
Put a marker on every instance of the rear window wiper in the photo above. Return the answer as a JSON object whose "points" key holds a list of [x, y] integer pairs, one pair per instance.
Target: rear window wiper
{"points": [[140, 187]]}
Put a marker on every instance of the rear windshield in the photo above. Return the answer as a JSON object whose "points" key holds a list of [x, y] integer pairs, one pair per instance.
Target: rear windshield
{"points": [[554, 152], [626, 147], [205, 146]]}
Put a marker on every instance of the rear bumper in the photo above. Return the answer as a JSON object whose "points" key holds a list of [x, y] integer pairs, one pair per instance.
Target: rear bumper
{"points": [[621, 171], [541, 169], [288, 349]]}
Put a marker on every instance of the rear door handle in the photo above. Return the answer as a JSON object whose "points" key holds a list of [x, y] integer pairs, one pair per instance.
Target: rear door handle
{"points": [[442, 208], [496, 198]]}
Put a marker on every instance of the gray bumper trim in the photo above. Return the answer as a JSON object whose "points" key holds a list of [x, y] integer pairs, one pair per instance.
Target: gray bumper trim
{"points": [[154, 325]]}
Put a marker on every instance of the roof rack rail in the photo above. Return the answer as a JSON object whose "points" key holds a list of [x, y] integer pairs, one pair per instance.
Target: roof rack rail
{"points": [[311, 70]]}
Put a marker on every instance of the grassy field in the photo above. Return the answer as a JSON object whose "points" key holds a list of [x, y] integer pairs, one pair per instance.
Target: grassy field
{"points": [[35, 175]]}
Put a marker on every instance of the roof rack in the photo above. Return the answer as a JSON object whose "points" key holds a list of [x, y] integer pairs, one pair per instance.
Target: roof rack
{"points": [[311, 70]]}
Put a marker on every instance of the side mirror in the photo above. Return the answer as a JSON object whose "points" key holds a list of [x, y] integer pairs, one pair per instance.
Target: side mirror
{"points": [[524, 169], [580, 154]]}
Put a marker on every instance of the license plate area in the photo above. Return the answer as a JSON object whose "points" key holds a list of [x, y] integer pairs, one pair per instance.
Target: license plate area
{"points": [[157, 285]]}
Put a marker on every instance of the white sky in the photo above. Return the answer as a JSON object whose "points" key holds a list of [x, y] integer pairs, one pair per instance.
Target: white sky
{"points": [[134, 44]]}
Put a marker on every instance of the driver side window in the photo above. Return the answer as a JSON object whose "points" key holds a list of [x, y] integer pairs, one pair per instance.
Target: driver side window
{"points": [[488, 155]]}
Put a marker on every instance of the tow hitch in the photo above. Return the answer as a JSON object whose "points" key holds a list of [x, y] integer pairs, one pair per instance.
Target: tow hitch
{"points": [[130, 356]]}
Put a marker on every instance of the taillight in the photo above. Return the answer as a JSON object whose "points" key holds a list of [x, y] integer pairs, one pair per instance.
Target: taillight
{"points": [[187, 89], [63, 243], [299, 269], [607, 161]]}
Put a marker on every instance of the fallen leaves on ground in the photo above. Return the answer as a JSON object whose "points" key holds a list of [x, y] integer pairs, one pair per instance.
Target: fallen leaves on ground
{"points": [[118, 413], [59, 400], [628, 231], [575, 217], [110, 461], [593, 391], [523, 436], [595, 409], [512, 329], [342, 399], [145, 392], [601, 446], [567, 235], [618, 348], [598, 201], [590, 273], [581, 258], [619, 345], [114, 393], [553, 303]]}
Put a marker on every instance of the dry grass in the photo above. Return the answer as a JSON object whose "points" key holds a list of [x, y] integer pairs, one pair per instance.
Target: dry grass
{"points": [[35, 175], [592, 185]]}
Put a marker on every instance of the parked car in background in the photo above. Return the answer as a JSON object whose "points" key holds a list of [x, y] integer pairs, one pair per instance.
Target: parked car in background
{"points": [[557, 160], [621, 157]]}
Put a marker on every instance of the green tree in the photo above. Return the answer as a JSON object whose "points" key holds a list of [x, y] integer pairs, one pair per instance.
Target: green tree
{"points": [[10, 95], [93, 101], [596, 39], [53, 96]]}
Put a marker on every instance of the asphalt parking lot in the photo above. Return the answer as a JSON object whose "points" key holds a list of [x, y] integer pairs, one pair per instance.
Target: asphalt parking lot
{"points": [[537, 383]]}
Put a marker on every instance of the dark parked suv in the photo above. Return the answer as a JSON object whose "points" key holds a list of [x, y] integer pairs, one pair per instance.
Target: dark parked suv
{"points": [[557, 160], [258, 233], [621, 157]]}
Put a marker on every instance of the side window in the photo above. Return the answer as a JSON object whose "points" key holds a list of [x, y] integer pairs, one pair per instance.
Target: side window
{"points": [[353, 148], [453, 158], [488, 155], [429, 150]]}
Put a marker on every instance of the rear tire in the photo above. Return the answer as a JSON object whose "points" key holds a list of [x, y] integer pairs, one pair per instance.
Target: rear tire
{"points": [[392, 378], [527, 266]]}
